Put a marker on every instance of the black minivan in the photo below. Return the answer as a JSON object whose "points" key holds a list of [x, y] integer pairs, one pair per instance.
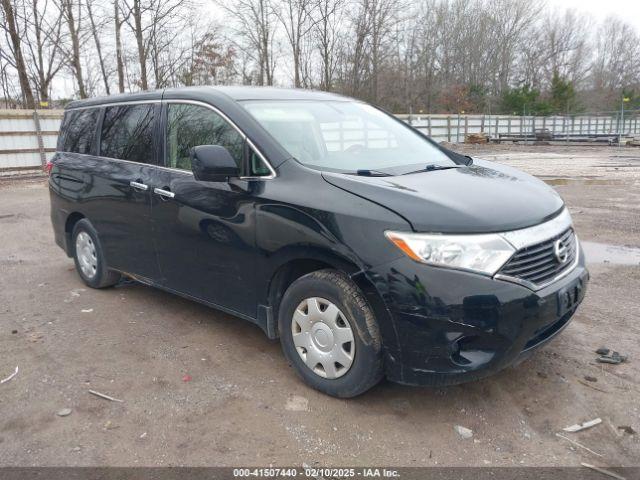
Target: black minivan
{"points": [[368, 249]]}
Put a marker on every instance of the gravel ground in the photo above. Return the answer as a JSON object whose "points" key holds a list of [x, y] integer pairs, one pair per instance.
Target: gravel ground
{"points": [[203, 388]]}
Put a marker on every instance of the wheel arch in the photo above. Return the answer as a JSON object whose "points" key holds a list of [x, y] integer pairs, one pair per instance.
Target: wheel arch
{"points": [[70, 222], [291, 267]]}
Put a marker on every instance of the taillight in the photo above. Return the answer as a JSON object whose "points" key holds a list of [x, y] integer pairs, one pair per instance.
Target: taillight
{"points": [[48, 167]]}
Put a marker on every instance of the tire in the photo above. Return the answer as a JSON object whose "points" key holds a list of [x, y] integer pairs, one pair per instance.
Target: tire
{"points": [[90, 262], [302, 305]]}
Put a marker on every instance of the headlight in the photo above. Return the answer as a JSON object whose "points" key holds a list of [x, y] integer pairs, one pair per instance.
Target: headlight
{"points": [[484, 253]]}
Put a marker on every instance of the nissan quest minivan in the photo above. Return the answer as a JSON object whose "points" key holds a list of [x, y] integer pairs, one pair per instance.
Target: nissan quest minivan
{"points": [[369, 250]]}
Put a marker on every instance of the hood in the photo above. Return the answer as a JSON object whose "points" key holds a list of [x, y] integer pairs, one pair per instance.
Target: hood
{"points": [[482, 197]]}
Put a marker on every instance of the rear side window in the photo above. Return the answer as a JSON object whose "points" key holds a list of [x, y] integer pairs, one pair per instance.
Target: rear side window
{"points": [[127, 133], [78, 131]]}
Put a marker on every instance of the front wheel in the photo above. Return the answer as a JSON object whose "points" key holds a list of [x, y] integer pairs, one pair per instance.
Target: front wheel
{"points": [[89, 258], [329, 334]]}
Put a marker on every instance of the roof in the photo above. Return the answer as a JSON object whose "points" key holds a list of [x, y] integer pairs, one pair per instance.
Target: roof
{"points": [[275, 93], [123, 97], [204, 92]]}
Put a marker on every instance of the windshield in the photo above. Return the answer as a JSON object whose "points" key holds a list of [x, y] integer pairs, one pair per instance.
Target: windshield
{"points": [[345, 136]]}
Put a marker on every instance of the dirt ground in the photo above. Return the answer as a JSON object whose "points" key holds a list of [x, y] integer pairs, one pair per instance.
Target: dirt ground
{"points": [[242, 403]]}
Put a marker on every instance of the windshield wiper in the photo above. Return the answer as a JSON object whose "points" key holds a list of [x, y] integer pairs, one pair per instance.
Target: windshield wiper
{"points": [[372, 173], [433, 167]]}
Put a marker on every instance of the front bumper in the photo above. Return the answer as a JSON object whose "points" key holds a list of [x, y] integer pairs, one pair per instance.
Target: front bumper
{"points": [[451, 326]]}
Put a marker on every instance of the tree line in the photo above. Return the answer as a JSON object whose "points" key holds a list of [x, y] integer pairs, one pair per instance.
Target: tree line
{"points": [[492, 56]]}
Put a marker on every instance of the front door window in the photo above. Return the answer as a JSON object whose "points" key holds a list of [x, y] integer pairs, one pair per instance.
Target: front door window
{"points": [[191, 125]]}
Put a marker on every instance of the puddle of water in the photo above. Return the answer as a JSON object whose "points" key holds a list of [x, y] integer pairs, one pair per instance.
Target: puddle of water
{"points": [[614, 254], [581, 181]]}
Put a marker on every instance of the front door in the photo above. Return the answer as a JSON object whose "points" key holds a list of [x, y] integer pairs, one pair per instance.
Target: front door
{"points": [[204, 232]]}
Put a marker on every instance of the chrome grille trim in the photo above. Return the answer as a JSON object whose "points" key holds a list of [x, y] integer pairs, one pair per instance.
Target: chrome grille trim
{"points": [[534, 260], [539, 277], [527, 237]]}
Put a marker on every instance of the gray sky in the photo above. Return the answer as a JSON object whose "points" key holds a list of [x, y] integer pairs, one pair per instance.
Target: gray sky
{"points": [[628, 10]]}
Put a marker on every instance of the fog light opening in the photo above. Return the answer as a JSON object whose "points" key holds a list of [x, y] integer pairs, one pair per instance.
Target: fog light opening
{"points": [[468, 351]]}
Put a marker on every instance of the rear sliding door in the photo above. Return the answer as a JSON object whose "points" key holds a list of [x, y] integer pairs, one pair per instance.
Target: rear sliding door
{"points": [[123, 183]]}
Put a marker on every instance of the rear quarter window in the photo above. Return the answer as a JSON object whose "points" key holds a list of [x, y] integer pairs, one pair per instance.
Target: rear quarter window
{"points": [[77, 132], [127, 133]]}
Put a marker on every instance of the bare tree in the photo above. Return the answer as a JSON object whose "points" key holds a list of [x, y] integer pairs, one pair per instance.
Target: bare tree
{"points": [[9, 92], [559, 45], [356, 57], [383, 17], [617, 61], [43, 37], [155, 24], [327, 26], [255, 26], [133, 17], [167, 42], [373, 22], [297, 19], [426, 51], [510, 19], [433, 55], [95, 31], [73, 15], [209, 60], [16, 58], [118, 21]]}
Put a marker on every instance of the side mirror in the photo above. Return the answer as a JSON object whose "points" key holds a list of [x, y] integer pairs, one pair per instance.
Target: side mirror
{"points": [[213, 163]]}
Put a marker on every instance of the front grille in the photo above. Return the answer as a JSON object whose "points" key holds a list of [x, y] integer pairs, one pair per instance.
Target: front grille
{"points": [[538, 263]]}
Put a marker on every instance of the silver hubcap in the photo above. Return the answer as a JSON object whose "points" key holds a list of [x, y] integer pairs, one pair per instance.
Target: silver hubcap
{"points": [[86, 253], [323, 337]]}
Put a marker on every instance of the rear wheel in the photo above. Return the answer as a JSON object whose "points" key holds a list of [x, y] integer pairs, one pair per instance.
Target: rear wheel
{"points": [[329, 334], [89, 258]]}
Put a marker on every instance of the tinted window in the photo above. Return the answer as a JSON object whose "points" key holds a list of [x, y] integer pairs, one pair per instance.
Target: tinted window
{"points": [[257, 168], [191, 125], [127, 133], [78, 130]]}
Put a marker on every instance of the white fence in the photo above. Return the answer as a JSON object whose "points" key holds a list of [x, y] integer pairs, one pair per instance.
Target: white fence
{"points": [[28, 137], [453, 128]]}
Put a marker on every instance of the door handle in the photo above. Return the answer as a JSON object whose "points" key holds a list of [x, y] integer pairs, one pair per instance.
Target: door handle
{"points": [[164, 193], [139, 186]]}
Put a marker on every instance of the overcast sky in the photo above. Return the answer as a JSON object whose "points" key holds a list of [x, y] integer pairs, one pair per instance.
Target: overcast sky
{"points": [[628, 10]]}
